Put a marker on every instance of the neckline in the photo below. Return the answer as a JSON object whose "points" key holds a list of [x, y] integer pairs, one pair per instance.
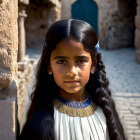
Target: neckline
{"points": [[75, 108], [75, 104]]}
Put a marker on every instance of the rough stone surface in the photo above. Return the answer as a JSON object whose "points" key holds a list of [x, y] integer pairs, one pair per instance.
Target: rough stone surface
{"points": [[24, 1], [66, 9], [40, 17], [25, 78], [9, 92], [8, 119], [118, 37], [138, 2], [8, 42], [106, 10], [137, 21], [138, 9], [116, 23], [137, 39]]}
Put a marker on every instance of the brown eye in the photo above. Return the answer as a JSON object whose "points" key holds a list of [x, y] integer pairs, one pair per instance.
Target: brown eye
{"points": [[81, 61], [61, 62]]}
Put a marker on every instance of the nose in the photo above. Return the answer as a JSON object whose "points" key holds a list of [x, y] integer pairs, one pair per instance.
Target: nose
{"points": [[72, 70]]}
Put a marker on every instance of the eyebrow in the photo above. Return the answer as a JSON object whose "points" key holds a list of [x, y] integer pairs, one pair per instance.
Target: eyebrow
{"points": [[59, 57], [82, 57], [62, 57]]}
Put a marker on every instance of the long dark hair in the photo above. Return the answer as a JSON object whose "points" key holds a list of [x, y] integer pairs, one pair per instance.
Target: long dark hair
{"points": [[97, 86]]}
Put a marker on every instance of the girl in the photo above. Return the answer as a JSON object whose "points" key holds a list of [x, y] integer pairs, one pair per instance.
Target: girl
{"points": [[71, 99]]}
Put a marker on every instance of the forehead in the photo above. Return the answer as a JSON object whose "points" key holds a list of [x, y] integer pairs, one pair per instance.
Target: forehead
{"points": [[69, 47]]}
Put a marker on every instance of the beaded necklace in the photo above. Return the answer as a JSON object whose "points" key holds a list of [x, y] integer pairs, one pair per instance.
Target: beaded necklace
{"points": [[75, 108]]}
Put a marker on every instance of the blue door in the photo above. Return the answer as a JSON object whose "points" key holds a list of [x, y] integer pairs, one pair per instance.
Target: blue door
{"points": [[86, 10]]}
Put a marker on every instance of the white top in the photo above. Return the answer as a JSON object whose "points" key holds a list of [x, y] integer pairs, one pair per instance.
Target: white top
{"points": [[80, 128]]}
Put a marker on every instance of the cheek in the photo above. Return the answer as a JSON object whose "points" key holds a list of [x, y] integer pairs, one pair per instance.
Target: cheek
{"points": [[85, 74], [57, 78], [57, 73]]}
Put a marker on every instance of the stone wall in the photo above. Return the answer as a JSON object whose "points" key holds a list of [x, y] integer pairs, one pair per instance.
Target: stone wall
{"points": [[26, 76], [40, 16], [137, 32], [8, 68], [116, 23], [8, 42], [66, 9]]}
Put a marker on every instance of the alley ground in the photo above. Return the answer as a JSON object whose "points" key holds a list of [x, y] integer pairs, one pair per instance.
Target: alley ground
{"points": [[124, 75]]}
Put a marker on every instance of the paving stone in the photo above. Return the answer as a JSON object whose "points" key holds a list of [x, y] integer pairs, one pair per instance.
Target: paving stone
{"points": [[133, 123], [130, 119], [137, 136], [125, 111], [137, 131], [136, 104], [133, 107], [122, 107], [130, 131], [129, 112], [137, 112]]}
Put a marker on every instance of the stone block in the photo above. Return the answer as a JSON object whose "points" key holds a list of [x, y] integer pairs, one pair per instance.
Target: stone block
{"points": [[137, 39], [66, 9], [138, 2], [24, 1], [35, 33], [8, 119], [137, 22], [133, 127], [138, 10], [118, 36], [9, 92], [25, 84], [137, 132], [8, 42]]}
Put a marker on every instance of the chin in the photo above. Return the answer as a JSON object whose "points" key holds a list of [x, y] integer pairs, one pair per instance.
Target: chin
{"points": [[73, 91]]}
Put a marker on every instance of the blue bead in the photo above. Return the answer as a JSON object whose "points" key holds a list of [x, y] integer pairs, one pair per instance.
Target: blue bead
{"points": [[74, 104], [97, 46]]}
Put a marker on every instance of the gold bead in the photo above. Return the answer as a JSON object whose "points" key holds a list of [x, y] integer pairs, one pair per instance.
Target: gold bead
{"points": [[50, 73]]}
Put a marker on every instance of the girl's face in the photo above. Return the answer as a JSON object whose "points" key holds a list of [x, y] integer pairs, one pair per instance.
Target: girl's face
{"points": [[71, 66]]}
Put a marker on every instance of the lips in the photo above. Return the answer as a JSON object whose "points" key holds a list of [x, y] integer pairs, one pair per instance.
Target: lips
{"points": [[71, 82]]}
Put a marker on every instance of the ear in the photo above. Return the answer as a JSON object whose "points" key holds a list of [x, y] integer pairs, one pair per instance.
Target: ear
{"points": [[93, 66], [92, 70]]}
